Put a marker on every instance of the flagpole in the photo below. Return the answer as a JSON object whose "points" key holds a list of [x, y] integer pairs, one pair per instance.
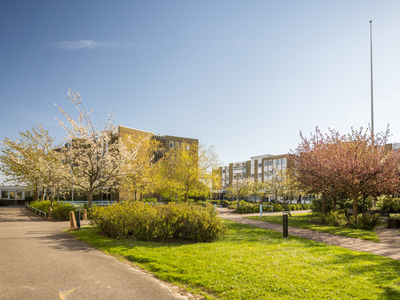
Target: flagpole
{"points": [[372, 84]]}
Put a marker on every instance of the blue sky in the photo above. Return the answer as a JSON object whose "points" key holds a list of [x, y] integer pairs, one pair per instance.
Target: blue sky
{"points": [[244, 76]]}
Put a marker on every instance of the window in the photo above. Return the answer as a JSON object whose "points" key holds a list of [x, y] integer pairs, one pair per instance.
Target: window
{"points": [[171, 144], [223, 171], [265, 163], [12, 195], [259, 165], [177, 145], [4, 194], [187, 147], [259, 175], [19, 195]]}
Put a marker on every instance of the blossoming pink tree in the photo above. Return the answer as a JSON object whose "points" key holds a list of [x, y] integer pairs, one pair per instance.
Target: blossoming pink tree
{"points": [[347, 164]]}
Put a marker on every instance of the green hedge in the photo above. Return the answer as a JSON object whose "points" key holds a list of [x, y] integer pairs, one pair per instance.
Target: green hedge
{"points": [[248, 208], [390, 204], [149, 222], [60, 212], [3, 202]]}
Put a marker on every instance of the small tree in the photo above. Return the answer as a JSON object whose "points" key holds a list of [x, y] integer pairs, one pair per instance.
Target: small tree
{"points": [[32, 161], [239, 189], [345, 164], [187, 170], [96, 157]]}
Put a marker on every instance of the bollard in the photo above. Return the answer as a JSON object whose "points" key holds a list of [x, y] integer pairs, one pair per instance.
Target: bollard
{"points": [[285, 224], [78, 218], [72, 223], [84, 214]]}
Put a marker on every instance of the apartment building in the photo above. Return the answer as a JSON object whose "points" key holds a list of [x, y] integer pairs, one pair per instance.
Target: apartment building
{"points": [[259, 168]]}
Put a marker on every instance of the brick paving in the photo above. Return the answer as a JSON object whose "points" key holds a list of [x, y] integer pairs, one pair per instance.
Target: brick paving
{"points": [[388, 247]]}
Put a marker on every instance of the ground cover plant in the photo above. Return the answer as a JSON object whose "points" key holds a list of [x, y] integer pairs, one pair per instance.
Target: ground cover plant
{"points": [[253, 263], [148, 222], [60, 211], [302, 221]]}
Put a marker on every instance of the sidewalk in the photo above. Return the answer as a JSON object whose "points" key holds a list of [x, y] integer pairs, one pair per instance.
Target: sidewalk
{"points": [[389, 245], [38, 261]]}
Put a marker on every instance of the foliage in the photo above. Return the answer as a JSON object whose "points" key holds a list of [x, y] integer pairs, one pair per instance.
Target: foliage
{"points": [[342, 205], [3, 202], [141, 172], [312, 221], [96, 158], [148, 222], [187, 171], [253, 263], [32, 161], [240, 189], [390, 204], [354, 164], [365, 221], [60, 211], [249, 207]]}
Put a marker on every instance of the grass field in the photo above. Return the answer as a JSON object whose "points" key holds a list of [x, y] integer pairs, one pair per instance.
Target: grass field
{"points": [[253, 263], [301, 221]]}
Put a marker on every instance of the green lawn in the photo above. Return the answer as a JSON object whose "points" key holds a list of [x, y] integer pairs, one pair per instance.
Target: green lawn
{"points": [[253, 263], [301, 221]]}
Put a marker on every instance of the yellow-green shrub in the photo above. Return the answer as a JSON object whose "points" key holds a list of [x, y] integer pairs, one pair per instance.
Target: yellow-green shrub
{"points": [[148, 222]]}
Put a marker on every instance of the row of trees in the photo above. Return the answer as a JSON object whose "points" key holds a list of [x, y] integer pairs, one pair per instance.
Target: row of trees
{"points": [[347, 166], [282, 186], [93, 158]]}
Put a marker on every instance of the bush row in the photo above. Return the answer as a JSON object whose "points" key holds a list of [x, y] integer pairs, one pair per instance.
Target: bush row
{"points": [[3, 202], [149, 222], [364, 221], [247, 208], [390, 204], [60, 211]]}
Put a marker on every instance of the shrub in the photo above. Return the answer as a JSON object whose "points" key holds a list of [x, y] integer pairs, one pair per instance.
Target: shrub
{"points": [[148, 222], [3, 202], [28, 198], [336, 219], [390, 204], [60, 212], [365, 221], [150, 200], [247, 209]]}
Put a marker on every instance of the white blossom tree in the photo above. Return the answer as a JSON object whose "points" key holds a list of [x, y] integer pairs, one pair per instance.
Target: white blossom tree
{"points": [[32, 161], [95, 156]]}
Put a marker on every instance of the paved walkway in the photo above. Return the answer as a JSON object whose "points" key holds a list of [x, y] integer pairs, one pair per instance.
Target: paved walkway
{"points": [[389, 245], [38, 260]]}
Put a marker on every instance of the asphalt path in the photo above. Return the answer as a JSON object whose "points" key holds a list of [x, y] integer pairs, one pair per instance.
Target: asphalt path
{"points": [[39, 261]]}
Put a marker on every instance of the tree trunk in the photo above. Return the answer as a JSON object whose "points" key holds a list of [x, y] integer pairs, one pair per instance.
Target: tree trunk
{"points": [[47, 194], [43, 194], [323, 208], [334, 204], [35, 194], [141, 196], [186, 197], [363, 205], [135, 194], [355, 203], [237, 201], [58, 197], [89, 199]]}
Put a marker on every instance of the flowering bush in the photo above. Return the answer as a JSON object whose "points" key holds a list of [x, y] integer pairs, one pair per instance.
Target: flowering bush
{"points": [[148, 222]]}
